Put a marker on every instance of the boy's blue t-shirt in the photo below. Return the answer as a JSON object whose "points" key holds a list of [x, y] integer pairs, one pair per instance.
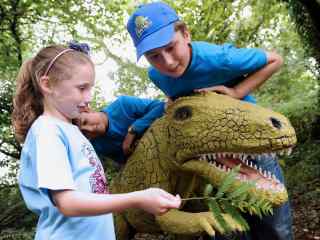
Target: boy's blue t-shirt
{"points": [[56, 156], [124, 112], [211, 65]]}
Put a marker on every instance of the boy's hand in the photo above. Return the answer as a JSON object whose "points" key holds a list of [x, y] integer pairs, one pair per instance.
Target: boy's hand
{"points": [[127, 142], [168, 102], [220, 89]]}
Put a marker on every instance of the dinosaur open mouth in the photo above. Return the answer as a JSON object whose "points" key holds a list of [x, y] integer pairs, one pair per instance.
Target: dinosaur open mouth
{"points": [[249, 171]]}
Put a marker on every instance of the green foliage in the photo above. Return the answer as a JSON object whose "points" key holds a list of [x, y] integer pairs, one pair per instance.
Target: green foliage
{"points": [[227, 200], [303, 166], [233, 211], [21, 234], [240, 197], [214, 207], [16, 221], [305, 16], [98, 101]]}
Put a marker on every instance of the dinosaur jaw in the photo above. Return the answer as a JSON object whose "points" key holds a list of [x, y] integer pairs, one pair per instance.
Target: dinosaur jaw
{"points": [[214, 167], [248, 170]]}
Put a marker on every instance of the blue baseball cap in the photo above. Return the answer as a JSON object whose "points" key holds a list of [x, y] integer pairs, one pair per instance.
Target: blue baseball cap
{"points": [[151, 26]]}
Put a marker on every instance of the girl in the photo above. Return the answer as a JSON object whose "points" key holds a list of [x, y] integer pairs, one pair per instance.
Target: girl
{"points": [[61, 178]]}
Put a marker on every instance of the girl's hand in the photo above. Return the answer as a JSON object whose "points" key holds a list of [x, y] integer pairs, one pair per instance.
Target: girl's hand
{"points": [[220, 89], [157, 201]]}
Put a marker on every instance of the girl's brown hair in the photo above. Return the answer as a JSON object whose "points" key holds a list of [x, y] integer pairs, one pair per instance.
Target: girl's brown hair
{"points": [[28, 100]]}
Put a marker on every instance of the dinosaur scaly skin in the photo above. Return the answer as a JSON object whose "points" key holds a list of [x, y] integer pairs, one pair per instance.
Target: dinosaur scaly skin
{"points": [[198, 138]]}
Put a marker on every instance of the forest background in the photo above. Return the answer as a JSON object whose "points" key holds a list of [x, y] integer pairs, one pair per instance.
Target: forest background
{"points": [[290, 27]]}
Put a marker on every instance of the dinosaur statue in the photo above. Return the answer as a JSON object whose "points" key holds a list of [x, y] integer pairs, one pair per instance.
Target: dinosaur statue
{"points": [[202, 137]]}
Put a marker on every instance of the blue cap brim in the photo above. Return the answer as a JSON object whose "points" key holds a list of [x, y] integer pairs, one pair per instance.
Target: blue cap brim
{"points": [[157, 39]]}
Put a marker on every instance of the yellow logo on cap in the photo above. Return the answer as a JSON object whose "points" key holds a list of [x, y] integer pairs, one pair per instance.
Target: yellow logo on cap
{"points": [[142, 23]]}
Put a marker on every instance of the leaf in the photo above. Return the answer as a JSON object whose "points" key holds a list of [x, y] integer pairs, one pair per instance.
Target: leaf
{"points": [[235, 214], [227, 182], [217, 214], [242, 192], [207, 190]]}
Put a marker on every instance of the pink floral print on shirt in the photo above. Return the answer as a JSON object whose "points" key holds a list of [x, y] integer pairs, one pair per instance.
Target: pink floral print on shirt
{"points": [[97, 179]]}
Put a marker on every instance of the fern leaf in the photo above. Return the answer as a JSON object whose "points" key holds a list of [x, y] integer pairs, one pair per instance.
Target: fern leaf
{"points": [[217, 214], [239, 192], [227, 182], [236, 215], [207, 190]]}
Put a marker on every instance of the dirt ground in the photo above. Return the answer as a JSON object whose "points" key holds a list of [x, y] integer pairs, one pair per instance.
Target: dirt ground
{"points": [[306, 212]]}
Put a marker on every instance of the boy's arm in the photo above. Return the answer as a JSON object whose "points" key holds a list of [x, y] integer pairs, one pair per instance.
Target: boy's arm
{"points": [[145, 111], [253, 81], [256, 79]]}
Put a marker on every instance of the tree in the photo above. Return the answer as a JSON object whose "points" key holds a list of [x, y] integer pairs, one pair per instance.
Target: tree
{"points": [[28, 25], [305, 14]]}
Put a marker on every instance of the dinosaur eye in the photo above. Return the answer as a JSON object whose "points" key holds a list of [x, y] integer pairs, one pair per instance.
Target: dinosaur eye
{"points": [[276, 123], [183, 113]]}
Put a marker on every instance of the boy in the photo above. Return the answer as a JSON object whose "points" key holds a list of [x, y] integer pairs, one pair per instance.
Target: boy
{"points": [[113, 130], [180, 67]]}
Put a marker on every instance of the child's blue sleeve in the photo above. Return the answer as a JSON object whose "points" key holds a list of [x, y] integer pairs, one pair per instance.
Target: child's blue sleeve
{"points": [[244, 60], [143, 111], [250, 99]]}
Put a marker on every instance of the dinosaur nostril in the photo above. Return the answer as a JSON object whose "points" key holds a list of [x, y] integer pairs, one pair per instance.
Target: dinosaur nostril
{"points": [[276, 123]]}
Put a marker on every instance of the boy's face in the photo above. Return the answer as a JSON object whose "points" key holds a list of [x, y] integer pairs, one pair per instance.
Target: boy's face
{"points": [[172, 59], [92, 124]]}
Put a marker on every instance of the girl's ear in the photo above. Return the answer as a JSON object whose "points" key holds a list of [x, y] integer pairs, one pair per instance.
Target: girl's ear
{"points": [[44, 84]]}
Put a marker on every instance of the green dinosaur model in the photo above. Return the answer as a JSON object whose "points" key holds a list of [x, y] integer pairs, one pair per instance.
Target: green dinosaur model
{"points": [[202, 137]]}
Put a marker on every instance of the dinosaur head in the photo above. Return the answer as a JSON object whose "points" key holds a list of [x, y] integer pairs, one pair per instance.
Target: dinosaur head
{"points": [[209, 134]]}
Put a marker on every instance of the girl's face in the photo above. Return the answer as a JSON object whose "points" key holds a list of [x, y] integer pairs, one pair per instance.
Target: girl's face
{"points": [[68, 98]]}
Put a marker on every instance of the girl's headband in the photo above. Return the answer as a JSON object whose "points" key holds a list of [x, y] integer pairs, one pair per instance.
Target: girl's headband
{"points": [[72, 46]]}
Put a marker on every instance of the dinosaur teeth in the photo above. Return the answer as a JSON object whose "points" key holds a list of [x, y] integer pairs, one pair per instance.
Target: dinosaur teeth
{"points": [[244, 157], [289, 151], [265, 173]]}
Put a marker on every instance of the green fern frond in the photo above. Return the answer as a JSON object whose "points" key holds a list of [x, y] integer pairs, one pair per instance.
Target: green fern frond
{"points": [[240, 192], [229, 179], [217, 214], [233, 201], [235, 214]]}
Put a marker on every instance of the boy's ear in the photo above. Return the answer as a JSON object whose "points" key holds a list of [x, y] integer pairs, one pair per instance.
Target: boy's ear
{"points": [[186, 34], [44, 84]]}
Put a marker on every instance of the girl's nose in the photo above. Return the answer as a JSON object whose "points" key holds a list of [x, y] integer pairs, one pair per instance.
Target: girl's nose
{"points": [[87, 97]]}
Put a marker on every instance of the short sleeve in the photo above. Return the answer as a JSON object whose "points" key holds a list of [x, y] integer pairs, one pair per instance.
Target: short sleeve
{"points": [[53, 165], [244, 60]]}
